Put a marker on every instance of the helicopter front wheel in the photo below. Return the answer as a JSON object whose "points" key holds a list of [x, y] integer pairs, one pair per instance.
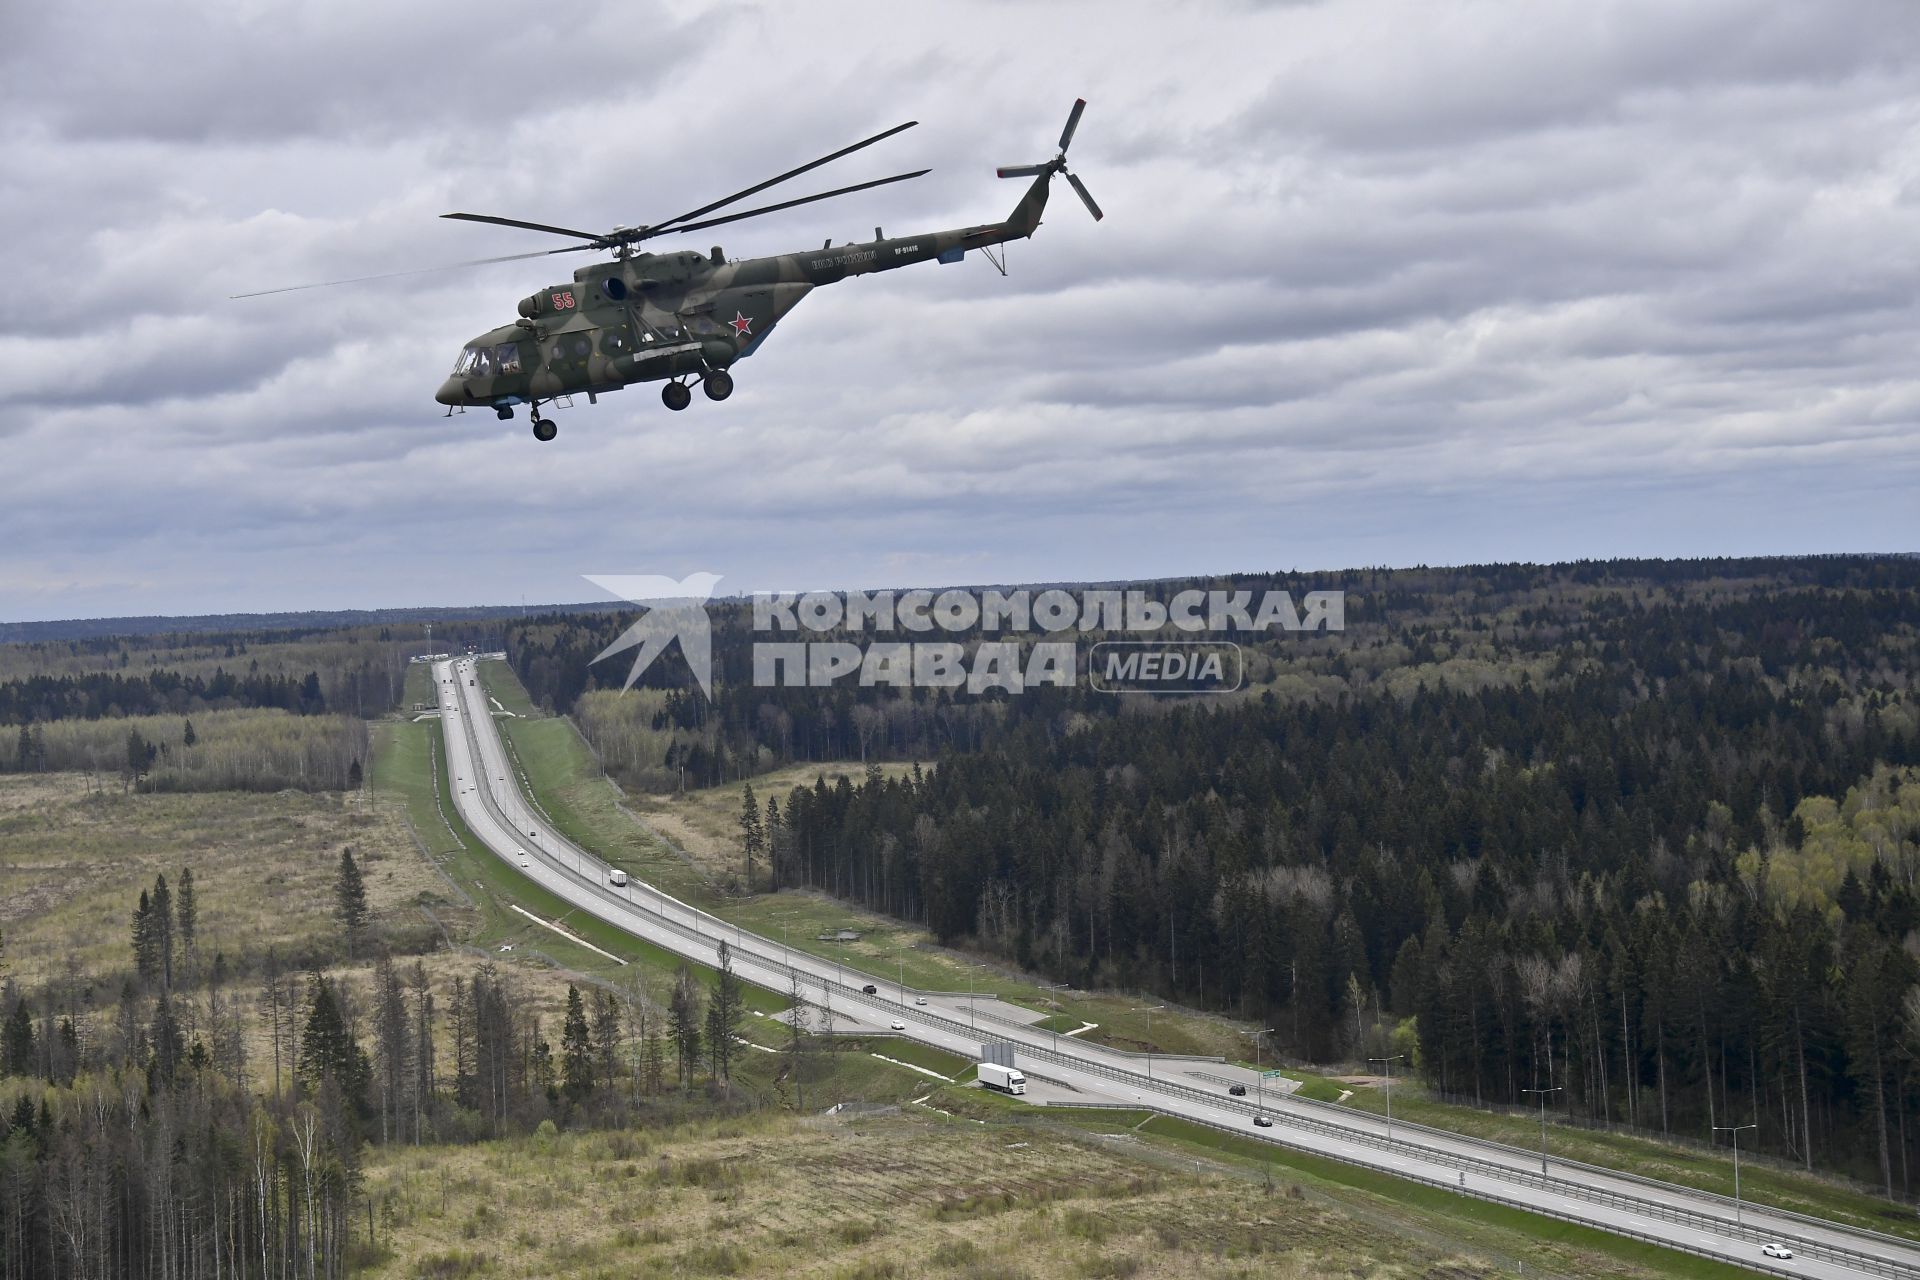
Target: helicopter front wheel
{"points": [[544, 429], [718, 384], [676, 396]]}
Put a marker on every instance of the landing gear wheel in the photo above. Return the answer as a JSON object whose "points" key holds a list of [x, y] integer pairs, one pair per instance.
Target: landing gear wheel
{"points": [[503, 411], [676, 396], [544, 429], [718, 384]]}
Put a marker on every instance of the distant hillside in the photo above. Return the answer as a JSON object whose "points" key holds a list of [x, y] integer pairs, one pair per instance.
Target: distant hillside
{"points": [[318, 620]]}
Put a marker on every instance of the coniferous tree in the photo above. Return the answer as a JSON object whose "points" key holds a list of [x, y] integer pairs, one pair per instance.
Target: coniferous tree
{"points": [[16, 1043], [350, 900], [576, 1049], [161, 925], [146, 961], [752, 835], [186, 910], [606, 1036]]}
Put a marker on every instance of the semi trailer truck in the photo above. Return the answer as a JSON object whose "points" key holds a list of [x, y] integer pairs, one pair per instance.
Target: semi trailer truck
{"points": [[1005, 1079]]}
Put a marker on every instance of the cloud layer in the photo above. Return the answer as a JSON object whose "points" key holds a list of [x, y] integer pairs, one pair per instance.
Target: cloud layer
{"points": [[1381, 282]]}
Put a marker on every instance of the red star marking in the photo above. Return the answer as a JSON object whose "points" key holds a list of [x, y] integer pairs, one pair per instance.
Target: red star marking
{"points": [[742, 327]]}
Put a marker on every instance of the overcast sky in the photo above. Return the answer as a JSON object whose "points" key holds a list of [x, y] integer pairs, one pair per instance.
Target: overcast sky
{"points": [[1380, 282]]}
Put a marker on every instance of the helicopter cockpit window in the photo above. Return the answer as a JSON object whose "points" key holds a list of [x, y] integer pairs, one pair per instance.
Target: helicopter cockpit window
{"points": [[483, 363], [465, 363], [507, 357]]}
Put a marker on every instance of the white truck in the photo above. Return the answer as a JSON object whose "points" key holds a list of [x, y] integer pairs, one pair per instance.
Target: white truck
{"points": [[616, 877], [1005, 1079]]}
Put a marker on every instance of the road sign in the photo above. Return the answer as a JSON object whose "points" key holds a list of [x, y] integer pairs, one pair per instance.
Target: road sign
{"points": [[1273, 1075]]}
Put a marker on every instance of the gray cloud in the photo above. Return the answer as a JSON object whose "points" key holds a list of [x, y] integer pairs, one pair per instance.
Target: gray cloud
{"points": [[1381, 281]]}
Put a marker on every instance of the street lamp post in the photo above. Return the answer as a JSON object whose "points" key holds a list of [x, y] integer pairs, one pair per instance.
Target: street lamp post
{"points": [[1149, 1010], [1054, 1002], [1735, 1129], [1543, 1122], [1259, 1076], [1397, 1057]]}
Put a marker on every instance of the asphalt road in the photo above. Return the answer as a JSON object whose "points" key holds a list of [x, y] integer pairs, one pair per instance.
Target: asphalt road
{"points": [[487, 792]]}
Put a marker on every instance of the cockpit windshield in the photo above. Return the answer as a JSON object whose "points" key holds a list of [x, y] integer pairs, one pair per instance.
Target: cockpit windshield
{"points": [[484, 362]]}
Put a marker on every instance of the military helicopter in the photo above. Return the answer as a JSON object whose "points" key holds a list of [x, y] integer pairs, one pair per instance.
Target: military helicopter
{"points": [[681, 317]]}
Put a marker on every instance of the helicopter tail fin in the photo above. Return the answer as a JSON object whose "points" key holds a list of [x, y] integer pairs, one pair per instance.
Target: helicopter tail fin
{"points": [[1026, 215]]}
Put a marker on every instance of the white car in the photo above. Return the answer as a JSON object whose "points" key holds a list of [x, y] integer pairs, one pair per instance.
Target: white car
{"points": [[920, 1000], [1776, 1250], [899, 1025], [525, 863]]}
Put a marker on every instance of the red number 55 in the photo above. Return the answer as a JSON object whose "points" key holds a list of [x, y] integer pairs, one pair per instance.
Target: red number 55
{"points": [[561, 301]]}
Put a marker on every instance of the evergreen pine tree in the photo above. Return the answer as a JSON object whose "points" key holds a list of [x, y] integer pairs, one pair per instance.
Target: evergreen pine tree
{"points": [[161, 926], [16, 1042], [576, 1049], [350, 900], [752, 836], [186, 910], [144, 956]]}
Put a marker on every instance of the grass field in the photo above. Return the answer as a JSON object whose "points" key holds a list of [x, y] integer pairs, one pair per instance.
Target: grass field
{"points": [[915, 1194], [73, 861]]}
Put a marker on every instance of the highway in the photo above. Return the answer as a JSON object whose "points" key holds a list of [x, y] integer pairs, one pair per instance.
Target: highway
{"points": [[487, 793]]}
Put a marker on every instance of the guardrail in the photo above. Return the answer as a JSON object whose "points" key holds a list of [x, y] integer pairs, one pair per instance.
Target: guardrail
{"points": [[1480, 1193], [1444, 1151]]}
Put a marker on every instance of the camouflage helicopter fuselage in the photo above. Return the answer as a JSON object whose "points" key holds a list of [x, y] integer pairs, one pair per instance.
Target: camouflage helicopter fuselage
{"points": [[652, 317]]}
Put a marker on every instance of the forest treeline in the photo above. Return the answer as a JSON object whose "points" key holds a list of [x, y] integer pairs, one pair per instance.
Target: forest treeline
{"points": [[214, 1120], [1465, 628], [1641, 832], [99, 696], [266, 750], [355, 671]]}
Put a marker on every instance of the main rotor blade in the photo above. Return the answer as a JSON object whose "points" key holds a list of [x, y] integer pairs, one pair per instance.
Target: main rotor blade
{"points": [[417, 271], [1086, 199], [1023, 170], [1073, 122], [594, 236], [791, 173], [788, 204]]}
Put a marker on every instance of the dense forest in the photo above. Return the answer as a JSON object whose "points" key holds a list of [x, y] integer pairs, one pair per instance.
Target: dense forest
{"points": [[1646, 833], [213, 1118]]}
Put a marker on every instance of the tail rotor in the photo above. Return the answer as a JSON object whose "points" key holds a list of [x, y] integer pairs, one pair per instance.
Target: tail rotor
{"points": [[1059, 163]]}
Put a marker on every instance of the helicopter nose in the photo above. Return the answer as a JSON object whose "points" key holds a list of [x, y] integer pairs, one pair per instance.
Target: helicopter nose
{"points": [[449, 392]]}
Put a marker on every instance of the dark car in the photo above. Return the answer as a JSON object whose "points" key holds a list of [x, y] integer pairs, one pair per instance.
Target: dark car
{"points": [[1237, 1090], [870, 989], [1261, 1122]]}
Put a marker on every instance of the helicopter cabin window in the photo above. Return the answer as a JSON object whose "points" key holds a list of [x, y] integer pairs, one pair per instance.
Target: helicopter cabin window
{"points": [[483, 362], [507, 357]]}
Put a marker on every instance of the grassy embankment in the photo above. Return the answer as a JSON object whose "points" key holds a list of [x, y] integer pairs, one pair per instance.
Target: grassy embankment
{"points": [[901, 1196]]}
